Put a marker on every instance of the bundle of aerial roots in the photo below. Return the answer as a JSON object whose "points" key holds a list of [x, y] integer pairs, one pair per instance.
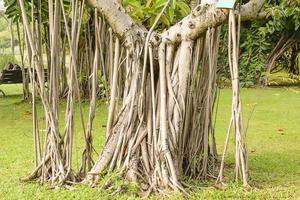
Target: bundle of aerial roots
{"points": [[162, 91]]}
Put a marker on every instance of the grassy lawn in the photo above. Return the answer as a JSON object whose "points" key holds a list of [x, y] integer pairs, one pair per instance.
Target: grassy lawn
{"points": [[273, 142]]}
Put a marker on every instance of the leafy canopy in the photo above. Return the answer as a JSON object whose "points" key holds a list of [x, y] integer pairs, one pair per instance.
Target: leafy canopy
{"points": [[145, 12]]}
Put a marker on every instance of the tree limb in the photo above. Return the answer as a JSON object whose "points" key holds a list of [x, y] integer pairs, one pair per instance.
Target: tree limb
{"points": [[205, 16], [121, 23], [251, 10], [189, 28]]}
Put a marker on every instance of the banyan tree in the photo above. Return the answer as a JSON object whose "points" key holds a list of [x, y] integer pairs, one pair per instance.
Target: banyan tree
{"points": [[161, 86]]}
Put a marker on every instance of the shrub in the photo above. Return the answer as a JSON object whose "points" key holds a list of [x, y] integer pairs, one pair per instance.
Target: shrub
{"points": [[6, 58]]}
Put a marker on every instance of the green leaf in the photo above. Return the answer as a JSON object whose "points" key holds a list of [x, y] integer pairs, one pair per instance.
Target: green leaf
{"points": [[134, 3], [148, 3], [159, 4], [165, 20], [171, 13], [184, 9]]}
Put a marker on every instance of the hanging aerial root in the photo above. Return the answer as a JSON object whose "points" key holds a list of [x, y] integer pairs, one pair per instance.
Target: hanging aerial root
{"points": [[241, 159], [164, 129], [92, 177]]}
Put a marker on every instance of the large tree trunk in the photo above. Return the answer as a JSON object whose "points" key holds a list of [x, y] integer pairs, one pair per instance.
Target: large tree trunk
{"points": [[154, 134], [164, 128]]}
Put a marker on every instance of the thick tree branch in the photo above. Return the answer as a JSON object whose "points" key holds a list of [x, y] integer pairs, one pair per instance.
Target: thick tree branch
{"points": [[203, 17], [251, 9], [121, 23], [189, 28]]}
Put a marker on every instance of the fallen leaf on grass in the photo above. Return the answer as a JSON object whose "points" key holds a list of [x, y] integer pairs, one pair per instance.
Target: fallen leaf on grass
{"points": [[27, 113], [252, 150]]}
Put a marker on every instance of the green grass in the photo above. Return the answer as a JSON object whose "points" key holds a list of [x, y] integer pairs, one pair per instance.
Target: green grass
{"points": [[273, 142]]}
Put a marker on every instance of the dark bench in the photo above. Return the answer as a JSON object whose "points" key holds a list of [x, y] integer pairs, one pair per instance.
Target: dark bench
{"points": [[15, 77]]}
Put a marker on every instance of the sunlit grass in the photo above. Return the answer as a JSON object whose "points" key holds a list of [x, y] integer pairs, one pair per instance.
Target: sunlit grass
{"points": [[273, 142]]}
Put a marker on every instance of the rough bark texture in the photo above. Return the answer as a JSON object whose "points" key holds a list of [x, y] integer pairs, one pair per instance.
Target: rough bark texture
{"points": [[121, 23], [164, 129], [168, 137]]}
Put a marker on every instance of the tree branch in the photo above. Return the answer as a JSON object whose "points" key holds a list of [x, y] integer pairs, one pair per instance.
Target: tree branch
{"points": [[251, 9], [120, 22], [203, 17], [189, 28]]}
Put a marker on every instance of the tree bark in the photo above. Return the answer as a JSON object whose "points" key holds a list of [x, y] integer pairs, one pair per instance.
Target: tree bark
{"points": [[175, 52], [165, 126], [121, 23]]}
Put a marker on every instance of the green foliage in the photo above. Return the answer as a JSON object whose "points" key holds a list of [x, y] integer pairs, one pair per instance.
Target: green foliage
{"points": [[13, 9], [253, 50], [6, 58], [282, 78], [284, 16], [253, 53], [259, 37], [145, 13]]}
